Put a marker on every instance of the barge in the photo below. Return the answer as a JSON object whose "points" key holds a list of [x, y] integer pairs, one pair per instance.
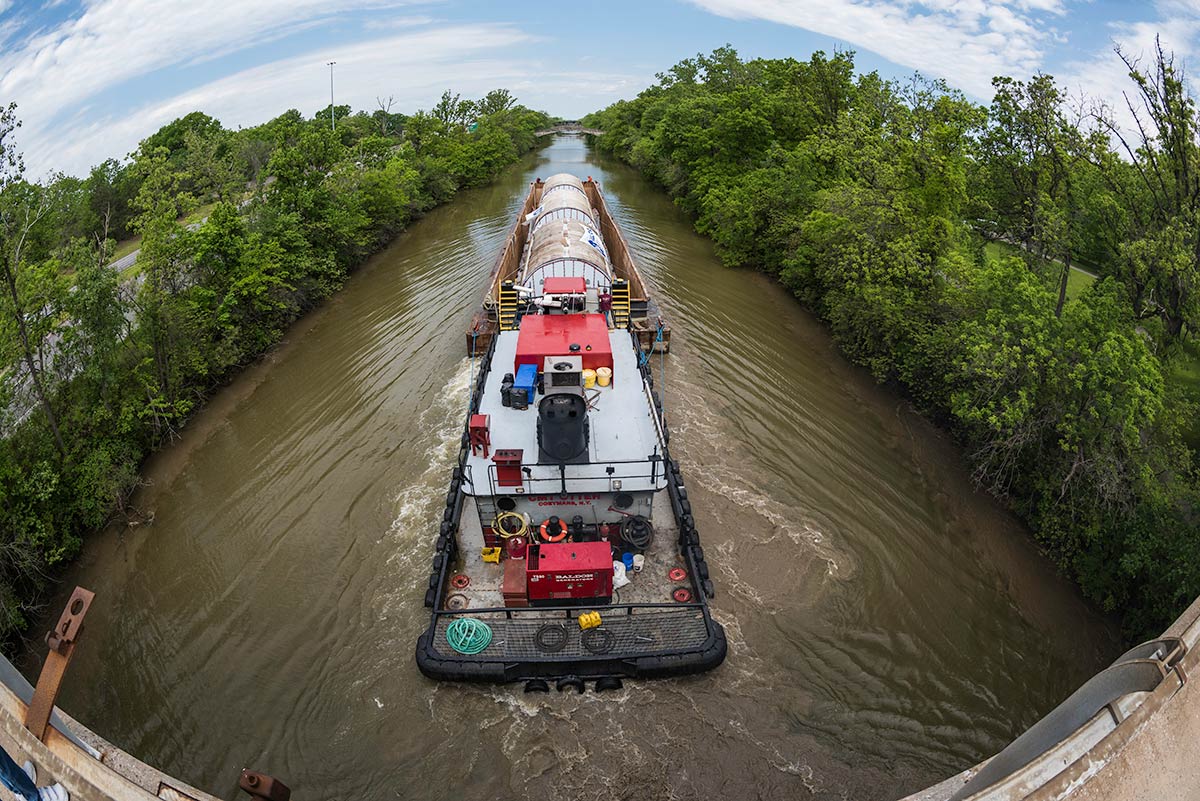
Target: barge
{"points": [[567, 550]]}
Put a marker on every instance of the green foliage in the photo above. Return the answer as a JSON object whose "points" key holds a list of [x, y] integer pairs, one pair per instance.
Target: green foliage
{"points": [[241, 232], [872, 201]]}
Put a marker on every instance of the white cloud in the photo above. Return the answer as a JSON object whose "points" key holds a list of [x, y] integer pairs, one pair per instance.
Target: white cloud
{"points": [[967, 42], [414, 68], [1103, 77], [395, 23], [111, 42]]}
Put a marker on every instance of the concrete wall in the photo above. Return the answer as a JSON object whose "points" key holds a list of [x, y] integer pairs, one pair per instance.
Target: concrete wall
{"points": [[115, 775], [1152, 753]]}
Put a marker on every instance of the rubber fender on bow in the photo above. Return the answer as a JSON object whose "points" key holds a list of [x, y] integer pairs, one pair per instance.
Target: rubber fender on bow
{"points": [[567, 682], [608, 683], [536, 686]]}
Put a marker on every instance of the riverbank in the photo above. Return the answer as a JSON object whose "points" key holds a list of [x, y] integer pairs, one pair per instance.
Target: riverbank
{"points": [[132, 364], [856, 195]]}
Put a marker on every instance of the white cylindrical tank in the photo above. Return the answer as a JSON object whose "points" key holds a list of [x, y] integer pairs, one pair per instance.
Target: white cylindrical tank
{"points": [[565, 237]]}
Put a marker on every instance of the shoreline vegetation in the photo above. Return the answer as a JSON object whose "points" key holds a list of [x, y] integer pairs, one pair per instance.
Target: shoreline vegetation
{"points": [[939, 240], [240, 232]]}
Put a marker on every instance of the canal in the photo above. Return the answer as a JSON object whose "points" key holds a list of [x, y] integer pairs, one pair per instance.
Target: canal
{"points": [[888, 625]]}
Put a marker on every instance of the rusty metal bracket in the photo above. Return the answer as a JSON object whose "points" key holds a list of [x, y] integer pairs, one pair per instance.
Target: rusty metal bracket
{"points": [[61, 642], [262, 786]]}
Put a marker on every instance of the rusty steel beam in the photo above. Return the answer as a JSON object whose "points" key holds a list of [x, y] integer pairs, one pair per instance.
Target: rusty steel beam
{"points": [[62, 645], [263, 787]]}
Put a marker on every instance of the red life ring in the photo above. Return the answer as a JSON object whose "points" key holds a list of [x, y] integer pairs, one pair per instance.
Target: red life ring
{"points": [[547, 537], [460, 581], [682, 595], [677, 574]]}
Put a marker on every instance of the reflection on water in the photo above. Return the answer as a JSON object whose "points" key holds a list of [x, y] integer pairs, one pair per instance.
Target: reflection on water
{"points": [[887, 625]]}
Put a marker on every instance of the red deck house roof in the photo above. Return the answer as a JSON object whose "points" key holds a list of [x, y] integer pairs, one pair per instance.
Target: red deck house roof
{"points": [[543, 335]]}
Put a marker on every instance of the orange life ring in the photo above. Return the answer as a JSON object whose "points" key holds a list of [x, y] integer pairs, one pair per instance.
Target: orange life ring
{"points": [[546, 536]]}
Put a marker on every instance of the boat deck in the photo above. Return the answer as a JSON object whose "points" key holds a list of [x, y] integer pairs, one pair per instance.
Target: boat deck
{"points": [[632, 633], [622, 429], [651, 585]]}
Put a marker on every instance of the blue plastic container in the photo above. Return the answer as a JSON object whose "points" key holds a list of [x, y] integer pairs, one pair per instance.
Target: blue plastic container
{"points": [[627, 558], [526, 380]]}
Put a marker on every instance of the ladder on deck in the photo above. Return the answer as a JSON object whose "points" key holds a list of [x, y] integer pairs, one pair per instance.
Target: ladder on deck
{"points": [[508, 306], [620, 303]]}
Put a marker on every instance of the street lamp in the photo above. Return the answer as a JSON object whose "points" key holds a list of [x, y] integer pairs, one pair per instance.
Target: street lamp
{"points": [[332, 121]]}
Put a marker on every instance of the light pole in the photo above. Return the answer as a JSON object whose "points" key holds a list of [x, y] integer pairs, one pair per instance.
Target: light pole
{"points": [[332, 120]]}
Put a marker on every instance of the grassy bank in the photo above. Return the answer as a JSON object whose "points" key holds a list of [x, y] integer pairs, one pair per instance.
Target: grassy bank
{"points": [[856, 194], [223, 277]]}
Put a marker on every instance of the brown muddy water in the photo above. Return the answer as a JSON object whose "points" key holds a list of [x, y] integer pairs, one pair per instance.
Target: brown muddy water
{"points": [[888, 625]]}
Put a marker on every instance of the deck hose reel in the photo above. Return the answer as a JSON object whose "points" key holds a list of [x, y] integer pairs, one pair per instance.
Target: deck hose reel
{"points": [[469, 636]]}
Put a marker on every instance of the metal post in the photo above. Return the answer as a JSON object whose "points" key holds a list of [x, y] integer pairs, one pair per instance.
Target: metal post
{"points": [[263, 787], [332, 119], [62, 645]]}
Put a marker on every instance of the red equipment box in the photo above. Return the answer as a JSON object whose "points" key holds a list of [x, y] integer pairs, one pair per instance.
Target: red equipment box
{"points": [[508, 466], [513, 585], [564, 285], [569, 574], [545, 335]]}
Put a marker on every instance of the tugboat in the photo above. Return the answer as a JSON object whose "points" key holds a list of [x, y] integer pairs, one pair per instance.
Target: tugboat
{"points": [[567, 550]]}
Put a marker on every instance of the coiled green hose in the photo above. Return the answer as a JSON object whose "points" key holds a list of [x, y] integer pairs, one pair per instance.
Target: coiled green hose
{"points": [[469, 636]]}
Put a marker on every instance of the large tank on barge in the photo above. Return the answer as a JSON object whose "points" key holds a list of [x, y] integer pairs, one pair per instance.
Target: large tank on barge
{"points": [[567, 549]]}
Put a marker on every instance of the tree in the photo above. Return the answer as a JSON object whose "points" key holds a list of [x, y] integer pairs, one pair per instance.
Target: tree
{"points": [[1028, 156], [210, 170], [31, 293], [384, 117], [453, 110], [172, 137], [163, 322], [1161, 262], [495, 102]]}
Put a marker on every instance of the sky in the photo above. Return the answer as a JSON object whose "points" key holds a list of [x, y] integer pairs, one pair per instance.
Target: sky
{"points": [[92, 78]]}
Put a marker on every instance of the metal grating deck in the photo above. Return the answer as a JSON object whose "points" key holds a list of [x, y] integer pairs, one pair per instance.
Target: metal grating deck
{"points": [[640, 634]]}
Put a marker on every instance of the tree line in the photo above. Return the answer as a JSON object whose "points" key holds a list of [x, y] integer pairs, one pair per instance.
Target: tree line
{"points": [[241, 231], [938, 237]]}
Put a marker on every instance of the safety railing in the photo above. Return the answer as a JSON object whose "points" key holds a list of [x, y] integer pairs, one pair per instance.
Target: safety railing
{"points": [[555, 484], [565, 612]]}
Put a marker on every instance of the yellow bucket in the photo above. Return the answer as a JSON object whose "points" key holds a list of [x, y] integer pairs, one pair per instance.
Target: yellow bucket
{"points": [[589, 379], [603, 376]]}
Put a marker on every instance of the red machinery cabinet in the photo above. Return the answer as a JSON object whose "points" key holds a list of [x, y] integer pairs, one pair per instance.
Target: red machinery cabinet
{"points": [[508, 467], [564, 285], [543, 335], [569, 574]]}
